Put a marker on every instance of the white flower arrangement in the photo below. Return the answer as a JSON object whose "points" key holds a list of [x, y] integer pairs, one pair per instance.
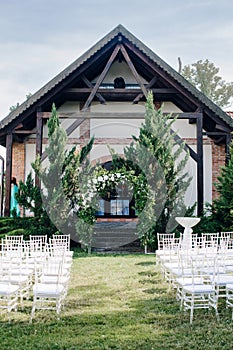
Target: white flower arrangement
{"points": [[101, 181]]}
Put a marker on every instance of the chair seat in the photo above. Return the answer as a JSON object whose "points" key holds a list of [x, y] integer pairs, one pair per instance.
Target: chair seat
{"points": [[23, 271], [53, 279], [48, 290], [181, 272], [15, 279], [185, 281], [229, 286], [199, 289], [222, 280], [54, 271], [8, 289]]}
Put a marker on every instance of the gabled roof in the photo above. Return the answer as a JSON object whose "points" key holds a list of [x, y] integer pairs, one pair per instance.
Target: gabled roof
{"points": [[119, 30]]}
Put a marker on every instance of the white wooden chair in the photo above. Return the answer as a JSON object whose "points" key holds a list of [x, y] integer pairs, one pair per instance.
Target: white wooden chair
{"points": [[229, 297], [199, 294], [9, 294], [48, 296], [39, 239], [61, 240]]}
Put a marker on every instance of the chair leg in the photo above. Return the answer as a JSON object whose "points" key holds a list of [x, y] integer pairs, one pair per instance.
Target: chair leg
{"points": [[33, 310], [192, 310]]}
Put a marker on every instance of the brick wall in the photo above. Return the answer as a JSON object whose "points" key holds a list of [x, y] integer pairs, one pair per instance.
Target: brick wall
{"points": [[219, 158], [18, 161]]}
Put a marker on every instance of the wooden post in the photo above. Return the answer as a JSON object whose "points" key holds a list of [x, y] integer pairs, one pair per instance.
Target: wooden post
{"points": [[228, 142], [39, 138], [9, 142], [2, 185], [200, 182]]}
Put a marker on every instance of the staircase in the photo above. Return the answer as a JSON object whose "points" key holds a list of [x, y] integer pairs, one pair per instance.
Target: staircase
{"points": [[116, 237]]}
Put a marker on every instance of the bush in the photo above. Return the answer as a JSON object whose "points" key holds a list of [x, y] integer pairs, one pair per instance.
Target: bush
{"points": [[26, 226]]}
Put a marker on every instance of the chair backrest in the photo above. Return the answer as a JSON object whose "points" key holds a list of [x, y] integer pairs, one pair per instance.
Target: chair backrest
{"points": [[38, 239], [210, 236], [226, 234], [165, 240], [210, 239], [61, 241], [14, 239], [12, 243]]}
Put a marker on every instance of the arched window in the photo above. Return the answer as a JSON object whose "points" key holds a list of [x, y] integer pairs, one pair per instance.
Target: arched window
{"points": [[119, 83]]}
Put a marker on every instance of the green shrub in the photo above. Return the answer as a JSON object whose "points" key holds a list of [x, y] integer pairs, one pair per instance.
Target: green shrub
{"points": [[26, 226]]}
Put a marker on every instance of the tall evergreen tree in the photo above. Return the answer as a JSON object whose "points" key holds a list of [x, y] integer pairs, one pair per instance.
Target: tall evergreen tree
{"points": [[54, 200], [161, 161]]}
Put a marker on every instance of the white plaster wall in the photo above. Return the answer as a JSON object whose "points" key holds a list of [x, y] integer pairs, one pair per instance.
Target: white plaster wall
{"points": [[181, 126], [169, 107], [69, 106], [103, 127], [31, 155], [115, 128], [103, 151], [184, 129], [119, 69], [65, 122], [120, 107], [120, 128]]}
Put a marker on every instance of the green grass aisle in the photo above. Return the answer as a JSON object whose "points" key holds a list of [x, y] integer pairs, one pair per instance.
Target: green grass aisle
{"points": [[117, 302]]}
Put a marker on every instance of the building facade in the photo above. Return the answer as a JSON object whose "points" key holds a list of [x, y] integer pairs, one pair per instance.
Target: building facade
{"points": [[103, 94]]}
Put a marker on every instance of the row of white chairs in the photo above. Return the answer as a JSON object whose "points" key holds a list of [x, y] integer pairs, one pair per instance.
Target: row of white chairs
{"points": [[201, 273], [35, 241], [37, 268]]}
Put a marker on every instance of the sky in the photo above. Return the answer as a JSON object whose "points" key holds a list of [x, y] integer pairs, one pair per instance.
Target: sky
{"points": [[40, 38]]}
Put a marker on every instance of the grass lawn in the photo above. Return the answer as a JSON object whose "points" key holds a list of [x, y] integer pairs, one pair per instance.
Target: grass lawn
{"points": [[117, 302]]}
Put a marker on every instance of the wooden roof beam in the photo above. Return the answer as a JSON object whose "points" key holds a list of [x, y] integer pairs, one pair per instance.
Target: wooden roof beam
{"points": [[113, 115], [101, 77], [127, 91], [77, 122], [133, 70], [162, 73], [148, 86], [90, 85], [25, 132]]}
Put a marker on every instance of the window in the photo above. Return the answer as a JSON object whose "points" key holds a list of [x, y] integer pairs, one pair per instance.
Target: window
{"points": [[118, 202]]}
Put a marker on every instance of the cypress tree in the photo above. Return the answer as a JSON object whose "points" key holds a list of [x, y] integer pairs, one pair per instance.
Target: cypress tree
{"points": [[161, 161], [54, 200]]}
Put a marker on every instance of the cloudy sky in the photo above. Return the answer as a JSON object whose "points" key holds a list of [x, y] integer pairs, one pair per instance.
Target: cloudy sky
{"points": [[39, 38]]}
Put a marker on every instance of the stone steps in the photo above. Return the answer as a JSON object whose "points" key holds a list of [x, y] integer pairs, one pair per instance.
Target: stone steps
{"points": [[116, 236]]}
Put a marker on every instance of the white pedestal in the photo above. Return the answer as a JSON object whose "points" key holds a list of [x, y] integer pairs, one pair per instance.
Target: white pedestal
{"points": [[187, 223]]}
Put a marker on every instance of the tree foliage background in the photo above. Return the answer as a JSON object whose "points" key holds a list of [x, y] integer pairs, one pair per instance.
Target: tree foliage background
{"points": [[204, 75]]}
